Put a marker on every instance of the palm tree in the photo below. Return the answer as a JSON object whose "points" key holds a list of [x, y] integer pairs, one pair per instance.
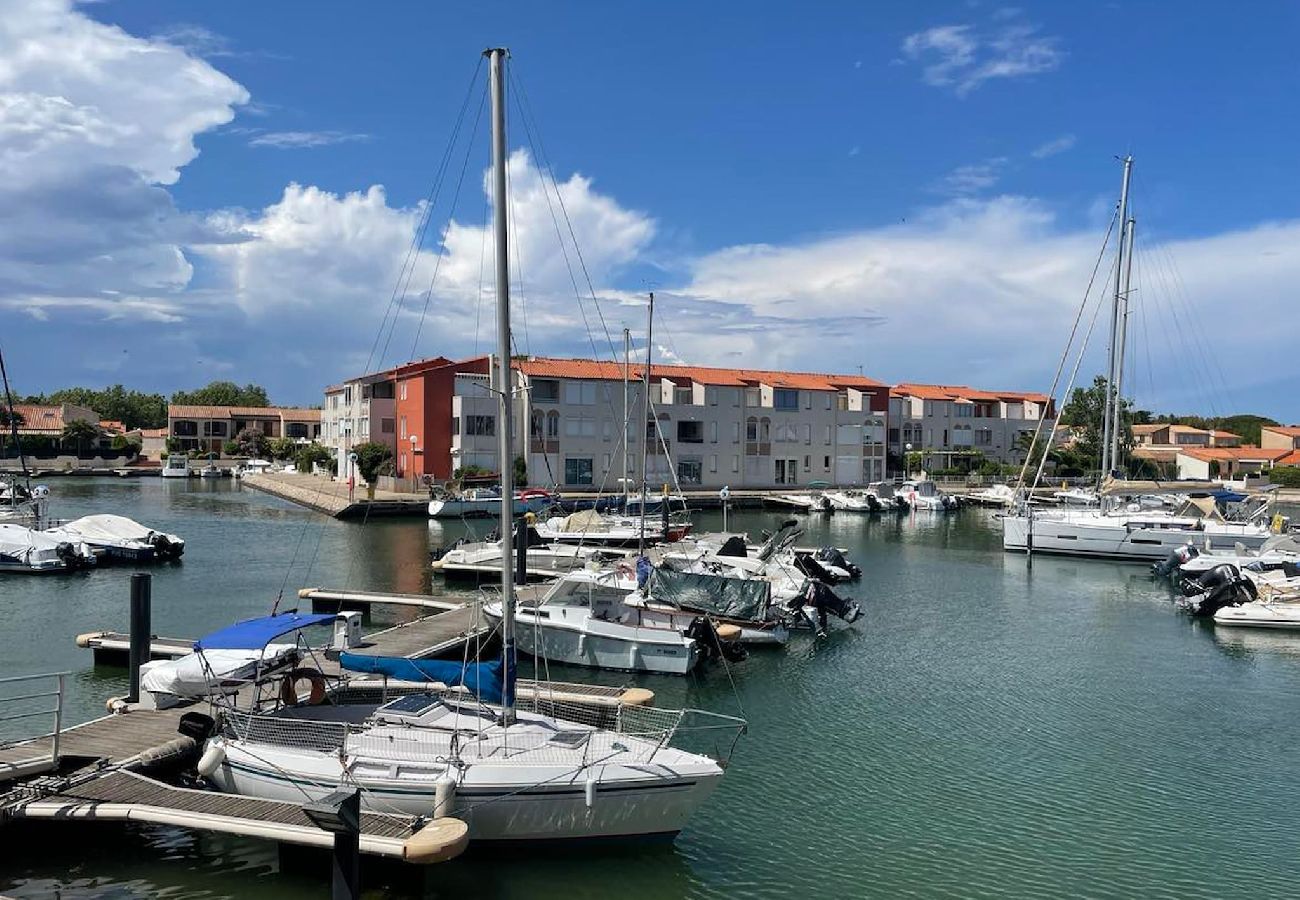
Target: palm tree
{"points": [[79, 432]]}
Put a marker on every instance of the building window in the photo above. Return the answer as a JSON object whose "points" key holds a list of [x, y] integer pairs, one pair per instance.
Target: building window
{"points": [[334, 401], [386, 426], [826, 463], [751, 429], [604, 463], [753, 396], [785, 398], [403, 390], [713, 463], [579, 426], [829, 399], [690, 432], [185, 429], [347, 396], [606, 430], [713, 432], [216, 429], [690, 471], [365, 429], [807, 433], [965, 411], [683, 396], [545, 391], [735, 464], [455, 424], [826, 438], [480, 426], [711, 395], [552, 425], [295, 430], [735, 432], [537, 423], [807, 463], [765, 429], [577, 470], [403, 434], [983, 437], [382, 390], [579, 393]]}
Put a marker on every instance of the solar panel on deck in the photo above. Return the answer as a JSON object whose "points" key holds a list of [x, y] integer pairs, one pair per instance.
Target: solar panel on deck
{"points": [[412, 704]]}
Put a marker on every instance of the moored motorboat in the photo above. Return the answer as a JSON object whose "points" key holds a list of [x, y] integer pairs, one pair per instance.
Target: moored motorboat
{"points": [[120, 538], [25, 550]]}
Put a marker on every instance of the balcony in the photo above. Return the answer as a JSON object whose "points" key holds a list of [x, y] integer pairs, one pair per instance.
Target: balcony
{"points": [[543, 445]]}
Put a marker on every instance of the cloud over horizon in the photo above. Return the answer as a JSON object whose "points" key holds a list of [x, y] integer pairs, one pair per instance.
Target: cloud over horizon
{"points": [[296, 292]]}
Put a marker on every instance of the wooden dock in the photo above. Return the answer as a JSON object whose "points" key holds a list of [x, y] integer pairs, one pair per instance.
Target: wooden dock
{"points": [[113, 647]]}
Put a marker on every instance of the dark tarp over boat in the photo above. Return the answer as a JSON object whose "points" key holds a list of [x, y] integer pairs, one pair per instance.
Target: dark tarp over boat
{"points": [[727, 598]]}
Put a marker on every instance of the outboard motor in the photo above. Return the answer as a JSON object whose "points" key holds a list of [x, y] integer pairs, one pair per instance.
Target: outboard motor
{"points": [[834, 557], [734, 546], [68, 553], [1209, 580], [823, 600], [812, 567], [1175, 560], [712, 644], [1222, 586]]}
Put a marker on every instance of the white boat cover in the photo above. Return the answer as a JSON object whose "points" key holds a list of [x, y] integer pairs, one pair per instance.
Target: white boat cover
{"points": [[105, 528], [187, 677], [27, 545], [587, 520]]}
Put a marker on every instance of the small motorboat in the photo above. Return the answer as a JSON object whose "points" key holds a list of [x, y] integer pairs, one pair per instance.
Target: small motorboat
{"points": [[118, 537], [925, 495], [27, 551], [1260, 614], [854, 501], [1076, 497], [486, 502], [176, 466], [996, 496]]}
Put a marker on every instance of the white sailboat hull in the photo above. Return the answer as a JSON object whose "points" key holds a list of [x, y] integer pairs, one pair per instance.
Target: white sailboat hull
{"points": [[1119, 537], [514, 803]]}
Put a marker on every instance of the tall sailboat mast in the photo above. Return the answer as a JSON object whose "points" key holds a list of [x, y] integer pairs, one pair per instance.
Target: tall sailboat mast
{"points": [[497, 58], [13, 423], [1108, 440], [627, 412], [645, 404], [1121, 343]]}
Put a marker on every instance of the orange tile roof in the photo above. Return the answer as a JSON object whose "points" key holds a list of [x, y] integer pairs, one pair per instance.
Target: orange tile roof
{"points": [[39, 418], [600, 370], [1288, 430], [1149, 429], [961, 392], [1228, 434], [251, 412], [111, 425], [1250, 454], [1291, 459]]}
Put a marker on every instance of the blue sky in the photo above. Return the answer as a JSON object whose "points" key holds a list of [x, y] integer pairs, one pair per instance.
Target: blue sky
{"points": [[917, 189]]}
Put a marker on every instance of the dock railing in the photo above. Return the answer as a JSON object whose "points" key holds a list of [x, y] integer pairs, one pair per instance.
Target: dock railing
{"points": [[18, 694]]}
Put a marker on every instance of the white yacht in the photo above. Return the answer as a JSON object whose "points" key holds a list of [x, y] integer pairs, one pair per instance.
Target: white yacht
{"points": [[177, 465], [853, 501], [925, 495], [482, 502], [997, 496], [600, 529], [583, 620]]}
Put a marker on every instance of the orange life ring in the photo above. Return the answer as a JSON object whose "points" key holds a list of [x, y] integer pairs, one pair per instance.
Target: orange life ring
{"points": [[289, 692]]}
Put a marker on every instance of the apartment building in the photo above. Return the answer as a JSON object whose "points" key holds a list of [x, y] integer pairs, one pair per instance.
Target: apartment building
{"points": [[1228, 462], [208, 428], [358, 411], [953, 426], [708, 427]]}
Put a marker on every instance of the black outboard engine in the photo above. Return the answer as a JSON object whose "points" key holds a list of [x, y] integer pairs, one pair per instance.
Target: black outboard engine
{"points": [[711, 643], [1224, 585], [1175, 560], [823, 600], [734, 546], [809, 565], [833, 556]]}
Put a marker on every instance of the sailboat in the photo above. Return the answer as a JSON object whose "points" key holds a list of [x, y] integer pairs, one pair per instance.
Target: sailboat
{"points": [[510, 772], [1121, 528]]}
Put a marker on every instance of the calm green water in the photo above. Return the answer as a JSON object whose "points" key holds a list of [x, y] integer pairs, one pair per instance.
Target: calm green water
{"points": [[986, 730]]}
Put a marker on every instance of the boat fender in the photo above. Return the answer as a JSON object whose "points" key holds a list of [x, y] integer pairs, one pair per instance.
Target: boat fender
{"points": [[589, 789], [289, 689], [170, 753], [444, 796], [214, 754], [582, 645]]}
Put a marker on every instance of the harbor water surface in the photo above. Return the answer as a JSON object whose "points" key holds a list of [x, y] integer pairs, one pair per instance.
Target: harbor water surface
{"points": [[987, 729]]}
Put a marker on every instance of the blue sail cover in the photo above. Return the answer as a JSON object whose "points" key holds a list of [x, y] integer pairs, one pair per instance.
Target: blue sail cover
{"points": [[483, 680], [254, 634]]}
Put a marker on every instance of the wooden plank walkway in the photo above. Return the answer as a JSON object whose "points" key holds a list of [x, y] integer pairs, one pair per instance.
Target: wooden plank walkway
{"points": [[115, 646], [116, 738]]}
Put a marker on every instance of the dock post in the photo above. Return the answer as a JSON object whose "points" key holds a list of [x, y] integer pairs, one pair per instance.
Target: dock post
{"points": [[141, 630], [521, 553], [340, 814]]}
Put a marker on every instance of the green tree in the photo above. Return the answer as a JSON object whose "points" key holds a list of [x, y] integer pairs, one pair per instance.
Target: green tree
{"points": [[373, 459], [79, 433], [309, 454], [282, 448], [251, 442], [223, 393], [1085, 414], [520, 472], [230, 448], [132, 408]]}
